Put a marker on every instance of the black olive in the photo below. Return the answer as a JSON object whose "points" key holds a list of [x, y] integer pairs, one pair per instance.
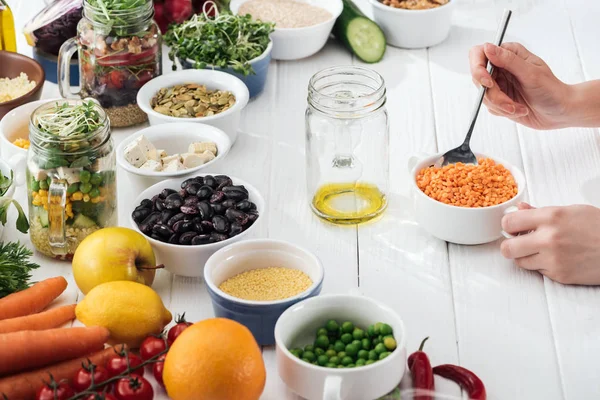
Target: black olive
{"points": [[149, 222], [183, 193], [235, 229], [183, 226], [147, 203], [210, 180], [199, 179], [229, 203], [141, 207], [205, 192], [236, 195], [165, 216], [207, 226], [193, 188], [139, 215], [173, 201], [217, 197], [175, 218], [206, 211], [238, 216], [166, 192], [223, 181], [162, 231], [190, 210], [156, 237], [174, 239], [234, 187], [189, 217], [218, 208], [191, 201], [159, 204], [186, 238], [220, 223], [252, 206], [187, 182], [154, 200], [218, 237], [201, 239], [244, 205], [198, 227], [252, 217]]}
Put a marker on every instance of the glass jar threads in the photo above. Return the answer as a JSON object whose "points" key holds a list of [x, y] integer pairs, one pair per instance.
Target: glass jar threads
{"points": [[71, 171], [347, 142], [119, 48]]}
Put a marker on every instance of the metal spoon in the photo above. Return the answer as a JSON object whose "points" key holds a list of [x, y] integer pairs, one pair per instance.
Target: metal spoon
{"points": [[463, 152]]}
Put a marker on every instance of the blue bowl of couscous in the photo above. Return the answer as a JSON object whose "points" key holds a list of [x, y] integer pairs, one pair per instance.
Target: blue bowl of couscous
{"points": [[254, 281]]}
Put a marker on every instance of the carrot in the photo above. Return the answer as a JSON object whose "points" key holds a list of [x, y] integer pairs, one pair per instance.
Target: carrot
{"points": [[31, 349], [24, 385], [32, 300], [53, 318]]}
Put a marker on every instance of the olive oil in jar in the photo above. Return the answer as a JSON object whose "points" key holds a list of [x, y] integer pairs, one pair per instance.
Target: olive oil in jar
{"points": [[8, 37], [349, 203]]}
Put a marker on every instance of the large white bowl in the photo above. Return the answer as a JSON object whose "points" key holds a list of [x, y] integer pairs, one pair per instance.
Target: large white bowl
{"points": [[190, 260], [414, 29], [228, 121], [297, 43], [175, 139], [460, 225]]}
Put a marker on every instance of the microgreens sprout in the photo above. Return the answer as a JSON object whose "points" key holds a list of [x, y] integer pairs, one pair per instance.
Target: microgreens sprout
{"points": [[68, 120]]}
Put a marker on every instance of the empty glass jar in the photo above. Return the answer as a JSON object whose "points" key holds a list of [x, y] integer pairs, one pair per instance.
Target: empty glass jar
{"points": [[347, 144]]}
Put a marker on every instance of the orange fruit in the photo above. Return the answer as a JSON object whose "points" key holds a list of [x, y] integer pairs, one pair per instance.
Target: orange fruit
{"points": [[215, 359]]}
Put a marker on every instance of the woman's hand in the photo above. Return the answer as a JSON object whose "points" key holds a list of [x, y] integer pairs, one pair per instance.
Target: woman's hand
{"points": [[523, 88], [564, 244]]}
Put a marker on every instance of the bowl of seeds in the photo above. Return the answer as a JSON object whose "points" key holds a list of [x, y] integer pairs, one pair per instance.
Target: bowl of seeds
{"points": [[254, 281], [210, 97]]}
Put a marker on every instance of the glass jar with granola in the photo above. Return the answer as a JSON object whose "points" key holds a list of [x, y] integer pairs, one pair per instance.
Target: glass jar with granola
{"points": [[71, 173], [119, 47]]}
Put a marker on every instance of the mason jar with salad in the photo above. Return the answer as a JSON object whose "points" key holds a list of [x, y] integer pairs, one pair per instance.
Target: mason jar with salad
{"points": [[71, 173], [119, 48]]}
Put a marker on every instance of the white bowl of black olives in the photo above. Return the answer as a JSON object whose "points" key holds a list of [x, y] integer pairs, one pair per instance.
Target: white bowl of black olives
{"points": [[188, 219]]}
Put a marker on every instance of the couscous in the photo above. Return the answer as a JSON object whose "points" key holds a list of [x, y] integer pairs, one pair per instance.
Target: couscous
{"points": [[267, 284]]}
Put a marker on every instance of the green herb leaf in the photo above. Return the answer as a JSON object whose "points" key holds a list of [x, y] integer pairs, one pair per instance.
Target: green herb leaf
{"points": [[15, 268]]}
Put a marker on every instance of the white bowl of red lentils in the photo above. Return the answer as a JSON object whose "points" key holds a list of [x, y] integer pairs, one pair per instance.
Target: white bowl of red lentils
{"points": [[464, 203]]}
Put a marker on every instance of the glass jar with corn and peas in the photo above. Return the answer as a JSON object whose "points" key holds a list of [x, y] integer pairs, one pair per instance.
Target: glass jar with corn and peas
{"points": [[71, 173]]}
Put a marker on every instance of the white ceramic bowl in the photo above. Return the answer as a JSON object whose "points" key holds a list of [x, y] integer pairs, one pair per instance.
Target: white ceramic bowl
{"points": [[297, 43], [460, 225], [5, 170], [228, 121], [296, 328], [175, 139], [190, 260], [414, 29]]}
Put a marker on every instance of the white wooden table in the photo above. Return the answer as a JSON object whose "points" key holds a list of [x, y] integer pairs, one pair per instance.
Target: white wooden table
{"points": [[525, 336]]}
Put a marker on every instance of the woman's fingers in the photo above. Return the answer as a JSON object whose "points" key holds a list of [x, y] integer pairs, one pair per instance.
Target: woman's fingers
{"points": [[510, 61], [519, 111], [523, 221], [532, 262], [477, 63], [521, 246]]}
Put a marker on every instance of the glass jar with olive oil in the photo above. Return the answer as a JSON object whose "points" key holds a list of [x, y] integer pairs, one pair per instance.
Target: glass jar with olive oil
{"points": [[8, 37], [347, 143]]}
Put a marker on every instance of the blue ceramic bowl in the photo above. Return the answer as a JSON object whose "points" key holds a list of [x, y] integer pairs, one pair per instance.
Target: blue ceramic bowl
{"points": [[50, 65], [258, 316], [255, 82]]}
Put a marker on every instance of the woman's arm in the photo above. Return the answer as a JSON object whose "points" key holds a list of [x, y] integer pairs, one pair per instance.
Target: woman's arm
{"points": [[584, 104]]}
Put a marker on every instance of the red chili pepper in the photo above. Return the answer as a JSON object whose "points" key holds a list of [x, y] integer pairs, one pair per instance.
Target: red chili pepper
{"points": [[421, 372], [465, 378]]}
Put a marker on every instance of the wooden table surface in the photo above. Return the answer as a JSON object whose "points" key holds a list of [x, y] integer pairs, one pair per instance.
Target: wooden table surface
{"points": [[526, 336]]}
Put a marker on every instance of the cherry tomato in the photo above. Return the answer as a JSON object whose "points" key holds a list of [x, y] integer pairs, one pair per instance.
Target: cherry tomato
{"points": [[83, 377], [117, 364], [157, 369], [55, 391], [101, 396], [116, 79], [152, 346], [134, 388], [175, 331]]}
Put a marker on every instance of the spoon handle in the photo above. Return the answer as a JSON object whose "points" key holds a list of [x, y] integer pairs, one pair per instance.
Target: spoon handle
{"points": [[499, 38]]}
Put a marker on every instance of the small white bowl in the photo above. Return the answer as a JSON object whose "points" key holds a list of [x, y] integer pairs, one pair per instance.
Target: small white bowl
{"points": [[460, 225], [297, 43], [175, 139], [296, 328], [190, 260], [414, 29], [228, 121]]}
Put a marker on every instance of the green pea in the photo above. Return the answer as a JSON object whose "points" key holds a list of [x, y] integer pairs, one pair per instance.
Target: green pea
{"points": [[332, 326], [73, 187], [347, 327], [346, 338], [309, 355], [330, 347], [85, 187], [346, 361], [384, 355], [377, 328], [373, 355], [306, 360], [299, 351], [35, 185], [44, 185], [322, 341], [314, 363], [295, 353], [95, 192], [369, 362], [321, 332], [380, 348], [350, 366], [322, 360], [364, 354], [341, 354], [340, 366], [376, 341], [366, 344], [84, 176], [339, 346], [371, 331], [357, 343], [389, 343], [96, 179], [319, 351], [334, 360], [330, 365], [331, 353], [309, 347], [361, 363], [358, 334], [386, 329], [351, 350]]}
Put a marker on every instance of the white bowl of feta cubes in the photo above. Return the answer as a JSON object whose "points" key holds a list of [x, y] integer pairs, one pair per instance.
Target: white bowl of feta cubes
{"points": [[172, 150]]}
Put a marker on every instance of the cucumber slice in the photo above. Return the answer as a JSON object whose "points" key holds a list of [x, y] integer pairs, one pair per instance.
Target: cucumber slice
{"points": [[81, 221], [43, 215], [361, 35]]}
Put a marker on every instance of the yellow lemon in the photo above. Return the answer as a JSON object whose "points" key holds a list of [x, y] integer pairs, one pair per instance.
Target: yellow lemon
{"points": [[131, 311]]}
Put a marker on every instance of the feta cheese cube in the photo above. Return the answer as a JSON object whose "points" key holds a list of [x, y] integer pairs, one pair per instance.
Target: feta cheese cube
{"points": [[191, 160], [135, 154], [71, 175], [36, 172], [145, 144], [152, 165], [201, 147], [208, 156], [161, 153], [174, 165], [166, 160]]}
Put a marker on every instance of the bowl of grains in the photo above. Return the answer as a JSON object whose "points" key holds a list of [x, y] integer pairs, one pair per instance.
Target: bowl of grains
{"points": [[21, 80], [414, 24], [302, 27], [254, 281], [464, 203]]}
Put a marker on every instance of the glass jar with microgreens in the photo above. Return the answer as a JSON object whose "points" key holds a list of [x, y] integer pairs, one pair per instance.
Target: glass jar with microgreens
{"points": [[119, 48], [71, 175]]}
